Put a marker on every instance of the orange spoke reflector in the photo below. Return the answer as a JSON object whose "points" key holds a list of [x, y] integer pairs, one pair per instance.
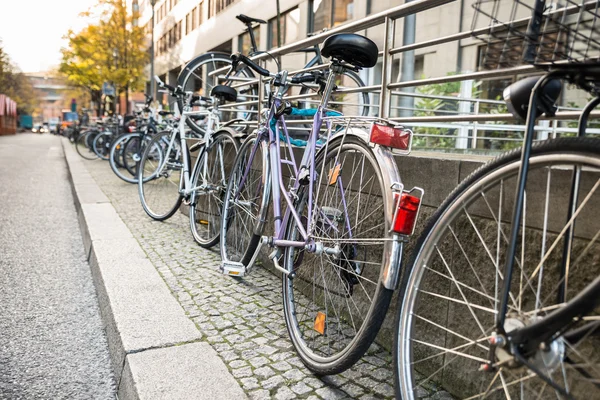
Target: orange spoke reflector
{"points": [[320, 323], [334, 173], [203, 222]]}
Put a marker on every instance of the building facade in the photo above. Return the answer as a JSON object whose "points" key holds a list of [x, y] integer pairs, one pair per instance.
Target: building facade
{"points": [[184, 29], [51, 92]]}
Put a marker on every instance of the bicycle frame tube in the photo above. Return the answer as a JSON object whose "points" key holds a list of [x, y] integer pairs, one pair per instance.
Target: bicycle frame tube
{"points": [[307, 161], [519, 200]]}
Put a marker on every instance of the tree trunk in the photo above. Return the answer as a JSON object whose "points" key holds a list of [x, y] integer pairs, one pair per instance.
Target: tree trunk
{"points": [[127, 110]]}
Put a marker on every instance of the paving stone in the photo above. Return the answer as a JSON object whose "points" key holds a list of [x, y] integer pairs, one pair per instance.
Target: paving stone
{"points": [[260, 394], [329, 393], [284, 393], [301, 388], [352, 390], [258, 361], [281, 366], [384, 389], [249, 383], [273, 382], [242, 372], [313, 382], [294, 375], [264, 372], [238, 364]]}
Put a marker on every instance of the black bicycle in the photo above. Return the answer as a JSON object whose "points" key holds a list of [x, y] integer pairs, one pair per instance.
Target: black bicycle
{"points": [[196, 77], [503, 297]]}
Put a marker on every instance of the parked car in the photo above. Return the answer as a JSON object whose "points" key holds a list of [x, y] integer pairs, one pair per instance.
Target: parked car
{"points": [[36, 128]]}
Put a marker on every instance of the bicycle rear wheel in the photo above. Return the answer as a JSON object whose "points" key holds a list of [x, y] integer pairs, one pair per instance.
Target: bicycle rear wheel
{"points": [[450, 299], [246, 201], [159, 177], [207, 201], [83, 148], [336, 303], [195, 77]]}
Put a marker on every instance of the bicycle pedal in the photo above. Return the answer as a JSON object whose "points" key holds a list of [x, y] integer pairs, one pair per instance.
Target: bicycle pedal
{"points": [[233, 268]]}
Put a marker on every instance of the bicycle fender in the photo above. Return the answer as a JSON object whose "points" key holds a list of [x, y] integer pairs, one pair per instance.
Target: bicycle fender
{"points": [[390, 273]]}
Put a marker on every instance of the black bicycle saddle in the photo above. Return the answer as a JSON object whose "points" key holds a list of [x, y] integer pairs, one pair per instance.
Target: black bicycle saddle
{"points": [[225, 92], [351, 48], [247, 20]]}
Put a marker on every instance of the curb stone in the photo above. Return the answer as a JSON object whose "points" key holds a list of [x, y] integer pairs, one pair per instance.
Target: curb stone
{"points": [[155, 349]]}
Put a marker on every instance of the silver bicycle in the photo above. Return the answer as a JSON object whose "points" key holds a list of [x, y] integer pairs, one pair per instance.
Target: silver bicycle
{"points": [[166, 177]]}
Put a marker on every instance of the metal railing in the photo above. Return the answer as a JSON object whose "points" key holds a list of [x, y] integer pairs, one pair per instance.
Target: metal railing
{"points": [[463, 126]]}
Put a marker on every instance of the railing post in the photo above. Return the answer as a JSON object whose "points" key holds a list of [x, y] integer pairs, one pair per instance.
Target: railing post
{"points": [[476, 112], [464, 108], [386, 68], [542, 134]]}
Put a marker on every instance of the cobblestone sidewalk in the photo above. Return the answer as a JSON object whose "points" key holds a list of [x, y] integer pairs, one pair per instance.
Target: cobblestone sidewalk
{"points": [[242, 319]]}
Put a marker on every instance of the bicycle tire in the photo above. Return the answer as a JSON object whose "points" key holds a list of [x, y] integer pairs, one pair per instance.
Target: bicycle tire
{"points": [[188, 77], [209, 212], [134, 151], [552, 156], [118, 149], [354, 277], [100, 145], [239, 238], [81, 145], [157, 148]]}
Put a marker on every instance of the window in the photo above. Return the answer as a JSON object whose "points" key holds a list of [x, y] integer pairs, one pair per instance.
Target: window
{"points": [[188, 22], [244, 43], [290, 28], [216, 6], [330, 13]]}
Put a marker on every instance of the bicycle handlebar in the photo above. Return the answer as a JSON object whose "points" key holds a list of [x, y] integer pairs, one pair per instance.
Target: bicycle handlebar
{"points": [[238, 57]]}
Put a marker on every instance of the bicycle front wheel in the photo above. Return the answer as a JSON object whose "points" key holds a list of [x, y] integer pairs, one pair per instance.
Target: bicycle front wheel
{"points": [[159, 177], [450, 300], [336, 302], [210, 183], [82, 145], [119, 150], [246, 201], [101, 145]]}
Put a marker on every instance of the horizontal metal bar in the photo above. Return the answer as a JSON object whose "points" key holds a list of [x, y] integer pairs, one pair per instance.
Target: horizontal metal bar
{"points": [[564, 115], [473, 75], [400, 11], [480, 31]]}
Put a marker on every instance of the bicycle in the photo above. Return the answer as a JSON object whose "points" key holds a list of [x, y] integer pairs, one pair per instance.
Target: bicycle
{"points": [[338, 244], [126, 150], [194, 78], [166, 177], [501, 299]]}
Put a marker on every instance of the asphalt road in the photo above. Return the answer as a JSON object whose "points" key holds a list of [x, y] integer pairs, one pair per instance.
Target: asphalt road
{"points": [[52, 345]]}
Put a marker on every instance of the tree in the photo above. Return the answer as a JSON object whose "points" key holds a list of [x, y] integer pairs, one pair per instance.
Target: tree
{"points": [[15, 84], [111, 51]]}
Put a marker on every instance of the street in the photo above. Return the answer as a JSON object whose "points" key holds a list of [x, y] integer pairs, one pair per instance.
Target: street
{"points": [[53, 343]]}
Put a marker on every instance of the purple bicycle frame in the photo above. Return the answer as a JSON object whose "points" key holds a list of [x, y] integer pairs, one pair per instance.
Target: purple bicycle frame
{"points": [[277, 185]]}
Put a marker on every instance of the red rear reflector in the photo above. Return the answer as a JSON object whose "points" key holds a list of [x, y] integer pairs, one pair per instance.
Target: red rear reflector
{"points": [[406, 214], [389, 136]]}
